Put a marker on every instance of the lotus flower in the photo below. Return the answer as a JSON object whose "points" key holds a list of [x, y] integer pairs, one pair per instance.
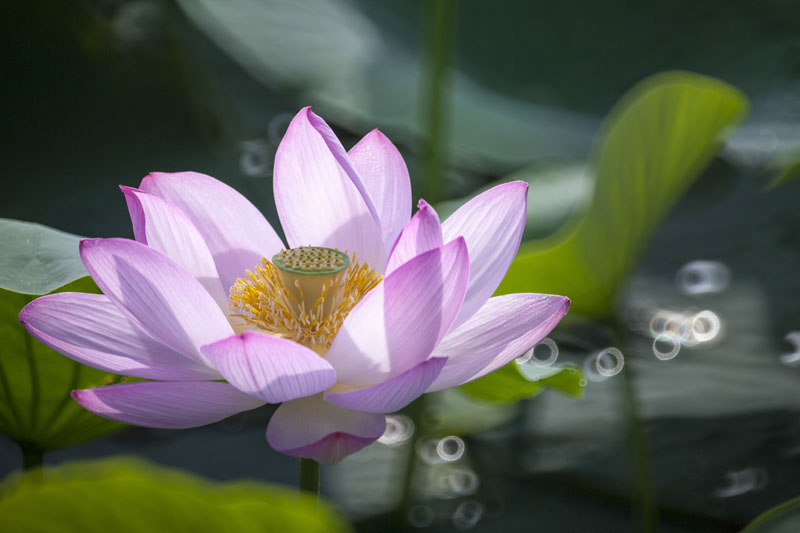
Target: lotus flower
{"points": [[365, 311]]}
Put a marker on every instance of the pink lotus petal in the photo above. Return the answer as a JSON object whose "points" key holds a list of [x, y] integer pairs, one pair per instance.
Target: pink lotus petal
{"points": [[236, 233], [503, 329], [92, 330], [398, 323], [164, 227], [318, 201], [422, 233], [385, 177], [312, 428], [156, 294], [492, 225], [273, 369], [164, 404], [342, 157], [394, 393]]}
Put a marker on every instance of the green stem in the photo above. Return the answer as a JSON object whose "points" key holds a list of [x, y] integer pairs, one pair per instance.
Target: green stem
{"points": [[34, 414], [414, 412], [309, 476], [32, 456], [640, 455], [10, 400], [440, 21]]}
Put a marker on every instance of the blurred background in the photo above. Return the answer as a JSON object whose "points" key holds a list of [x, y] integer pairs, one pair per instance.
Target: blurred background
{"points": [[99, 93]]}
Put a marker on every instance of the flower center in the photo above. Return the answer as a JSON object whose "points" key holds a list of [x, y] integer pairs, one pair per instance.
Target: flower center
{"points": [[304, 294]]}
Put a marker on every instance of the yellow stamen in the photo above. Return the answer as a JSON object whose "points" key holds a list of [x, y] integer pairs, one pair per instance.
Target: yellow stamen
{"points": [[306, 299]]}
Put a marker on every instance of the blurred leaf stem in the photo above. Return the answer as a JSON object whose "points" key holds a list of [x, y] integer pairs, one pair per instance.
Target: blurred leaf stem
{"points": [[32, 455], [644, 496], [309, 476], [439, 22]]}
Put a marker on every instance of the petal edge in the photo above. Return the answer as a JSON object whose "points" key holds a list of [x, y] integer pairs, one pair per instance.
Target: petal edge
{"points": [[166, 404], [394, 393], [313, 428], [270, 368]]}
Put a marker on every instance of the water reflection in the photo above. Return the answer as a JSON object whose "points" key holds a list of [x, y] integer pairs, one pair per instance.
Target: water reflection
{"points": [[604, 364], [462, 481], [550, 347], [256, 158], [427, 451], [258, 155], [666, 346], [678, 325], [705, 326], [702, 277], [792, 358], [609, 362], [399, 428], [467, 514], [420, 516], [672, 330], [277, 127], [741, 482], [450, 448]]}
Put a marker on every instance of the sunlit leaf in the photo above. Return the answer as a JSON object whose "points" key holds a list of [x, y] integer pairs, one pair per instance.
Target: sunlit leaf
{"points": [[35, 382], [514, 382], [655, 143], [566, 379], [36, 259], [127, 495]]}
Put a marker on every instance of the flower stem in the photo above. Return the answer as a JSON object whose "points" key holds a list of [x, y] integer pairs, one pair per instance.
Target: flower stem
{"points": [[438, 35], [309, 476], [414, 411], [32, 456], [640, 455]]}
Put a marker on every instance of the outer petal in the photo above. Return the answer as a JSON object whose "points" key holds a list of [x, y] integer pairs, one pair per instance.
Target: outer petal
{"points": [[399, 323], [503, 329], [164, 227], [394, 393], [422, 233], [92, 330], [157, 295], [273, 369], [164, 404], [312, 428], [319, 201], [492, 225], [385, 177], [236, 233]]}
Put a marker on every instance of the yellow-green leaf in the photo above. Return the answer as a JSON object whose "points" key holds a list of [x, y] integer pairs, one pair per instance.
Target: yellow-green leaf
{"points": [[654, 144], [127, 495], [511, 382], [784, 518], [35, 381]]}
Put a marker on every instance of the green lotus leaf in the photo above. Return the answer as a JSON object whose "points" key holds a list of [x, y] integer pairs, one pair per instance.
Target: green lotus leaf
{"points": [[37, 259], [514, 382], [130, 495], [784, 518], [655, 142], [36, 410]]}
